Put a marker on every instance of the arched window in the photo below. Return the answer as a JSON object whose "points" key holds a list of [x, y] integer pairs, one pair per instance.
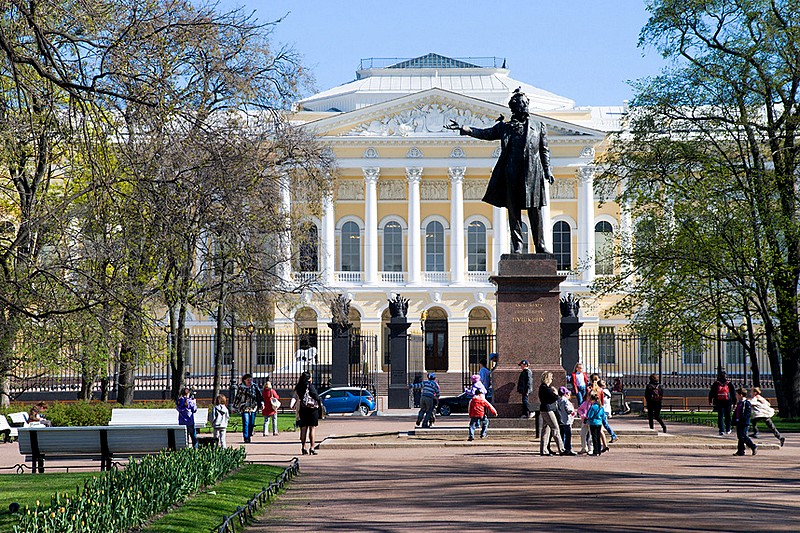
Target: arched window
{"points": [[524, 230], [392, 247], [351, 247], [476, 247], [562, 245], [309, 249], [604, 248], [434, 247]]}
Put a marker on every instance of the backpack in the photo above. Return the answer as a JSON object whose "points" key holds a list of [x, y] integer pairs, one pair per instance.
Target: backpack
{"points": [[658, 394], [723, 393]]}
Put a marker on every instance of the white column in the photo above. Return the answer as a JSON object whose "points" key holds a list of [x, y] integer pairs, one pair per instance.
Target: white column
{"points": [[328, 241], [414, 253], [458, 257], [502, 242], [284, 267], [546, 222], [371, 225], [586, 222]]}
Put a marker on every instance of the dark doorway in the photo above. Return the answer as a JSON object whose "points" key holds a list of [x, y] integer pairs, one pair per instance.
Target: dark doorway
{"points": [[436, 354]]}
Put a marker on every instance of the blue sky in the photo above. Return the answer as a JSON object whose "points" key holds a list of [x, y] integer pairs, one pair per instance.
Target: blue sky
{"points": [[584, 50]]}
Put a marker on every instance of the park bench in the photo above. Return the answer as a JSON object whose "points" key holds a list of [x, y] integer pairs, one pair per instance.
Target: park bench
{"points": [[103, 443], [153, 417], [8, 433]]}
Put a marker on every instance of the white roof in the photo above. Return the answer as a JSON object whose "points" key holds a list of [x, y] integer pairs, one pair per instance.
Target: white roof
{"points": [[376, 85]]}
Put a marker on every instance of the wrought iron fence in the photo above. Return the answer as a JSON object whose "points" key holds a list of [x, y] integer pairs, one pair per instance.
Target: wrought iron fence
{"points": [[282, 358], [474, 349]]}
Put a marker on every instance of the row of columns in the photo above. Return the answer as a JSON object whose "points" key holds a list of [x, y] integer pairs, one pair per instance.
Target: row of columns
{"points": [[585, 242]]}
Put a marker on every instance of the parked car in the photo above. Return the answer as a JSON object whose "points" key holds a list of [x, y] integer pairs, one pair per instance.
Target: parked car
{"points": [[348, 400], [454, 404]]}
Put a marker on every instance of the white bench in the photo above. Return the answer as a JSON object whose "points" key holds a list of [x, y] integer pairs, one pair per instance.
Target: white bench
{"points": [[153, 417], [12, 433], [18, 420], [97, 442]]}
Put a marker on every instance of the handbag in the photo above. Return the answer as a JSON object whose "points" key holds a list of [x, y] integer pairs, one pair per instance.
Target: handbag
{"points": [[309, 401], [276, 403]]}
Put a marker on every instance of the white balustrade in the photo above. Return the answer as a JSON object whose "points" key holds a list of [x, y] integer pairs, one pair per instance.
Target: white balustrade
{"points": [[392, 277], [436, 277]]}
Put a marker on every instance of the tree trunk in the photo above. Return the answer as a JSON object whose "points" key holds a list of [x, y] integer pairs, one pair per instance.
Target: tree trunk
{"points": [[218, 351], [127, 359]]}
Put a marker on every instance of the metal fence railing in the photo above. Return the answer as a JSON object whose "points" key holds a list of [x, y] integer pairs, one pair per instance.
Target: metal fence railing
{"points": [[282, 358]]}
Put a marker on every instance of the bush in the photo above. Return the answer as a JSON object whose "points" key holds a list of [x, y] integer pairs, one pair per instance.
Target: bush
{"points": [[122, 499], [79, 414]]}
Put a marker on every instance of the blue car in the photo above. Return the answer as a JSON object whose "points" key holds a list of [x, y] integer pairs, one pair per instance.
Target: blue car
{"points": [[348, 400]]}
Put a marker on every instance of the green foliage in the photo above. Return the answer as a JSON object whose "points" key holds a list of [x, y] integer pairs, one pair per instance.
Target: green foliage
{"points": [[79, 414], [122, 499]]}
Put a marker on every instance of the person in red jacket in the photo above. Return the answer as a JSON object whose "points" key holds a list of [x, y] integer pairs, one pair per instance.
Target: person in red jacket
{"points": [[479, 410], [270, 409]]}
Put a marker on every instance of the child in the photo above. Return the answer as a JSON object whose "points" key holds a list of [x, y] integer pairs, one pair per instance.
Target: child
{"points": [[595, 417], [187, 407], [476, 385], [565, 413], [741, 417], [579, 381], [219, 416], [762, 410], [586, 440], [270, 409], [606, 402], [478, 407]]}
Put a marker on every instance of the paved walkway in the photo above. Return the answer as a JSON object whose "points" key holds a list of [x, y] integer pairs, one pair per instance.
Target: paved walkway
{"points": [[380, 482]]}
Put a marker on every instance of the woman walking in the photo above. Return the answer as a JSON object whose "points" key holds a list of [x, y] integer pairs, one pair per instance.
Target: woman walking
{"points": [[653, 396], [762, 411], [270, 409], [306, 400], [247, 402]]}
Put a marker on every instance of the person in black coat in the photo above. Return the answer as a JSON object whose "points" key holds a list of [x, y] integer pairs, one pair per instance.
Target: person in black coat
{"points": [[741, 417], [525, 387], [518, 178], [307, 411], [721, 396], [653, 396], [548, 396]]}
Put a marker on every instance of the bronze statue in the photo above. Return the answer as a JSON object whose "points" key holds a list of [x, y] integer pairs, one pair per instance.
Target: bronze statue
{"points": [[570, 305], [340, 311], [517, 181], [398, 307]]}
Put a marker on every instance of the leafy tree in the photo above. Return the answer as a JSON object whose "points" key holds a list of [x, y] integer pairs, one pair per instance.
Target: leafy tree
{"points": [[708, 166]]}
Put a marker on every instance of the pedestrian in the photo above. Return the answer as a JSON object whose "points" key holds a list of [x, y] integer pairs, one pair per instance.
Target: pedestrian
{"points": [[307, 403], [586, 439], [479, 410], [248, 402], [565, 412], [605, 397], [653, 397], [762, 411], [548, 401], [595, 417], [579, 381], [476, 385], [486, 378], [219, 417], [525, 387], [416, 393], [427, 401], [270, 409], [187, 407], [721, 397], [741, 417]]}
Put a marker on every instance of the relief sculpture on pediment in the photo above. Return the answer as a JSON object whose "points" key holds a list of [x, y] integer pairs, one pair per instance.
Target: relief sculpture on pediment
{"points": [[474, 189], [425, 118], [351, 190], [392, 190], [563, 188]]}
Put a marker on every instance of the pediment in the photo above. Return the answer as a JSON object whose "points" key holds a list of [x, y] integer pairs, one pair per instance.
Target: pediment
{"points": [[425, 114]]}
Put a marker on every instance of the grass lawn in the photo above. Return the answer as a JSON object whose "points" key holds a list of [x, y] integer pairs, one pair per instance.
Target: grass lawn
{"points": [[25, 489], [204, 512], [709, 418], [285, 423]]}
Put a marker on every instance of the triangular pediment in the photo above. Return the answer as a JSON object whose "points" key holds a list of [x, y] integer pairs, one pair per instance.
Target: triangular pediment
{"points": [[425, 114]]}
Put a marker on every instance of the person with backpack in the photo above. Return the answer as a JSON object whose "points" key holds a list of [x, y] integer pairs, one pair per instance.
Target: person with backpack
{"points": [[653, 397], [741, 417], [721, 397]]}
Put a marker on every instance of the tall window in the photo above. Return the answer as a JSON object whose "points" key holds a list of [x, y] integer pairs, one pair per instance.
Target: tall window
{"points": [[606, 346], [692, 352], [524, 231], [604, 248], [434, 247], [476, 247], [392, 247], [351, 247], [562, 245], [309, 249]]}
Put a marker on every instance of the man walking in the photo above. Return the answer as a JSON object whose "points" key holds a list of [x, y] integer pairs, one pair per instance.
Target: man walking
{"points": [[525, 387]]}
